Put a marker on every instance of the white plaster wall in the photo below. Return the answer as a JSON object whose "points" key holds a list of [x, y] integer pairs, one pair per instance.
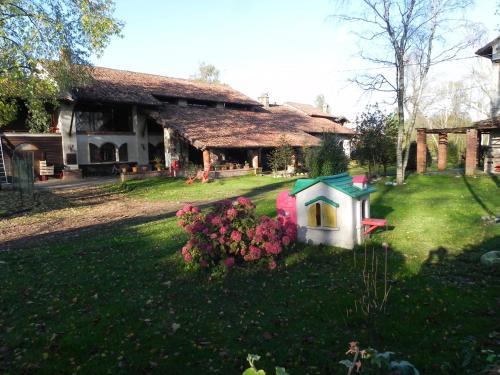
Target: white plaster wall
{"points": [[346, 234], [69, 142], [84, 140]]}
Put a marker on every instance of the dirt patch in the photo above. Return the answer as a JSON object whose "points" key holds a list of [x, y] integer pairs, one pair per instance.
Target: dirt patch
{"points": [[72, 212]]}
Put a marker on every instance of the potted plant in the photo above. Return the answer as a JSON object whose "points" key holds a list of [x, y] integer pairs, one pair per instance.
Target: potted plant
{"points": [[157, 163]]}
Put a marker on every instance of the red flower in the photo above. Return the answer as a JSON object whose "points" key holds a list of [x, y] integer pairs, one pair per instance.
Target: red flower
{"points": [[272, 265], [229, 262]]}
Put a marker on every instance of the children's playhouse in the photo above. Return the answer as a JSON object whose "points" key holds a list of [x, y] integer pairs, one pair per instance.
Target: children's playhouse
{"points": [[330, 210]]}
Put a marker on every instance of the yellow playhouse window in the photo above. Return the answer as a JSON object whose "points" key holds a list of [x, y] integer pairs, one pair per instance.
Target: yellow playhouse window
{"points": [[322, 212]]}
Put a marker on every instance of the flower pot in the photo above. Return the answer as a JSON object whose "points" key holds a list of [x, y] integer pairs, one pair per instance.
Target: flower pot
{"points": [[135, 169]]}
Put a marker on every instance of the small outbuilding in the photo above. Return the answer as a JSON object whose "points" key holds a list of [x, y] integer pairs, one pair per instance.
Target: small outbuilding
{"points": [[331, 210]]}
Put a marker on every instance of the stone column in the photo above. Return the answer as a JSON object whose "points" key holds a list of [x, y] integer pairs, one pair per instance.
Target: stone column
{"points": [[167, 141], [255, 158], [421, 150], [471, 152], [442, 151], [206, 160]]}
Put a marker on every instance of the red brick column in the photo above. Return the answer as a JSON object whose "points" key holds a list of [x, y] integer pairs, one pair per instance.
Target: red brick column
{"points": [[421, 150], [442, 151], [471, 152], [206, 160]]}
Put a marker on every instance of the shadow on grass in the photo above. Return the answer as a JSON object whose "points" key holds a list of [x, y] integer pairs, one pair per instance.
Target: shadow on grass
{"points": [[127, 289], [476, 196], [46, 238]]}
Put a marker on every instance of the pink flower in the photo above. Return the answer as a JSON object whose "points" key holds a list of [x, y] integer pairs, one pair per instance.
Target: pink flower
{"points": [[254, 252], [250, 233], [216, 220], [231, 213], [195, 210], [272, 265], [223, 230], [213, 236], [229, 262], [236, 236], [179, 213], [188, 258], [187, 208], [244, 201], [285, 240]]}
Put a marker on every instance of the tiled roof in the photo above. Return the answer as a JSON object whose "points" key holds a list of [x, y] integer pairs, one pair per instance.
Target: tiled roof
{"points": [[311, 110], [341, 182], [113, 85], [228, 128]]}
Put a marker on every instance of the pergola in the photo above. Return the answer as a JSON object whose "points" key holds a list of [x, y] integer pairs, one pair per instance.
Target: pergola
{"points": [[473, 136]]}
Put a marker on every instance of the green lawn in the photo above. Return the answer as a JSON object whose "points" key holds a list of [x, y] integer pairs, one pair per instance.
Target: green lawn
{"points": [[106, 303]]}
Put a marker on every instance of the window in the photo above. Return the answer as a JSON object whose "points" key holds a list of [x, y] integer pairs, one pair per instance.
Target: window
{"points": [[105, 153], [108, 152], [123, 152], [322, 212], [94, 118], [94, 153]]}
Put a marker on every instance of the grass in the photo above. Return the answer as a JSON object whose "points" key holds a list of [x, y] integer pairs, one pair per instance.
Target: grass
{"points": [[107, 302]]}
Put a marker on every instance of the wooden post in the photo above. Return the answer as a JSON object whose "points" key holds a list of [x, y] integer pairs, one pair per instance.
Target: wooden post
{"points": [[421, 150], [442, 151], [471, 152]]}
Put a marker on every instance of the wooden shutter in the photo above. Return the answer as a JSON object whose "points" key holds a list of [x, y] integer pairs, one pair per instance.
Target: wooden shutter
{"points": [[311, 215], [329, 216]]}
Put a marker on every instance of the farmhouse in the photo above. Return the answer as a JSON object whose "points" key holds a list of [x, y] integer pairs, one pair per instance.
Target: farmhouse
{"points": [[131, 118]]}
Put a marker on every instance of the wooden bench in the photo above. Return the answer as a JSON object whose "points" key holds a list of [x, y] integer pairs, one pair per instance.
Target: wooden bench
{"points": [[46, 170], [373, 224]]}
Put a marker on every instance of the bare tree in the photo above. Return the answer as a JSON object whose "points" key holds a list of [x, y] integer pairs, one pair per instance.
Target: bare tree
{"points": [[207, 73], [413, 36]]}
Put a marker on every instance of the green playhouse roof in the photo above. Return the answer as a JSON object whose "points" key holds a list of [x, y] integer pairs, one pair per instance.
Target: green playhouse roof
{"points": [[341, 182]]}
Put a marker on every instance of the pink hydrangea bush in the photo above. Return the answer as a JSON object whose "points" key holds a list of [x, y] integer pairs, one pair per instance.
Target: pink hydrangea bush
{"points": [[232, 234]]}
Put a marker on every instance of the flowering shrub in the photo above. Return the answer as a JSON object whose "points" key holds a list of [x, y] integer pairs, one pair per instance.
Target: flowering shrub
{"points": [[232, 234]]}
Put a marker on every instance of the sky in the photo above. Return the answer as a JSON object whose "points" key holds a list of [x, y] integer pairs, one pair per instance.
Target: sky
{"points": [[290, 49]]}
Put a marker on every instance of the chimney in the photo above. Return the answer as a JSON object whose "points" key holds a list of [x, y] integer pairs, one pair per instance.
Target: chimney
{"points": [[264, 100], [326, 108]]}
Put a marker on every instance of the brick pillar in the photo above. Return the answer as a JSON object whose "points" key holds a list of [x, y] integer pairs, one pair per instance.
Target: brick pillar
{"points": [[206, 160], [471, 152], [442, 151], [421, 150]]}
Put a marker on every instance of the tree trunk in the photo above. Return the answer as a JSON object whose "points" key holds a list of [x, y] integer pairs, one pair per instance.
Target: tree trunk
{"points": [[400, 169]]}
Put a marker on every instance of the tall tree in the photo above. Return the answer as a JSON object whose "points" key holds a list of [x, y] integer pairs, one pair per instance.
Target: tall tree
{"points": [[45, 46], [207, 73], [329, 158], [376, 139], [408, 37], [320, 102]]}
